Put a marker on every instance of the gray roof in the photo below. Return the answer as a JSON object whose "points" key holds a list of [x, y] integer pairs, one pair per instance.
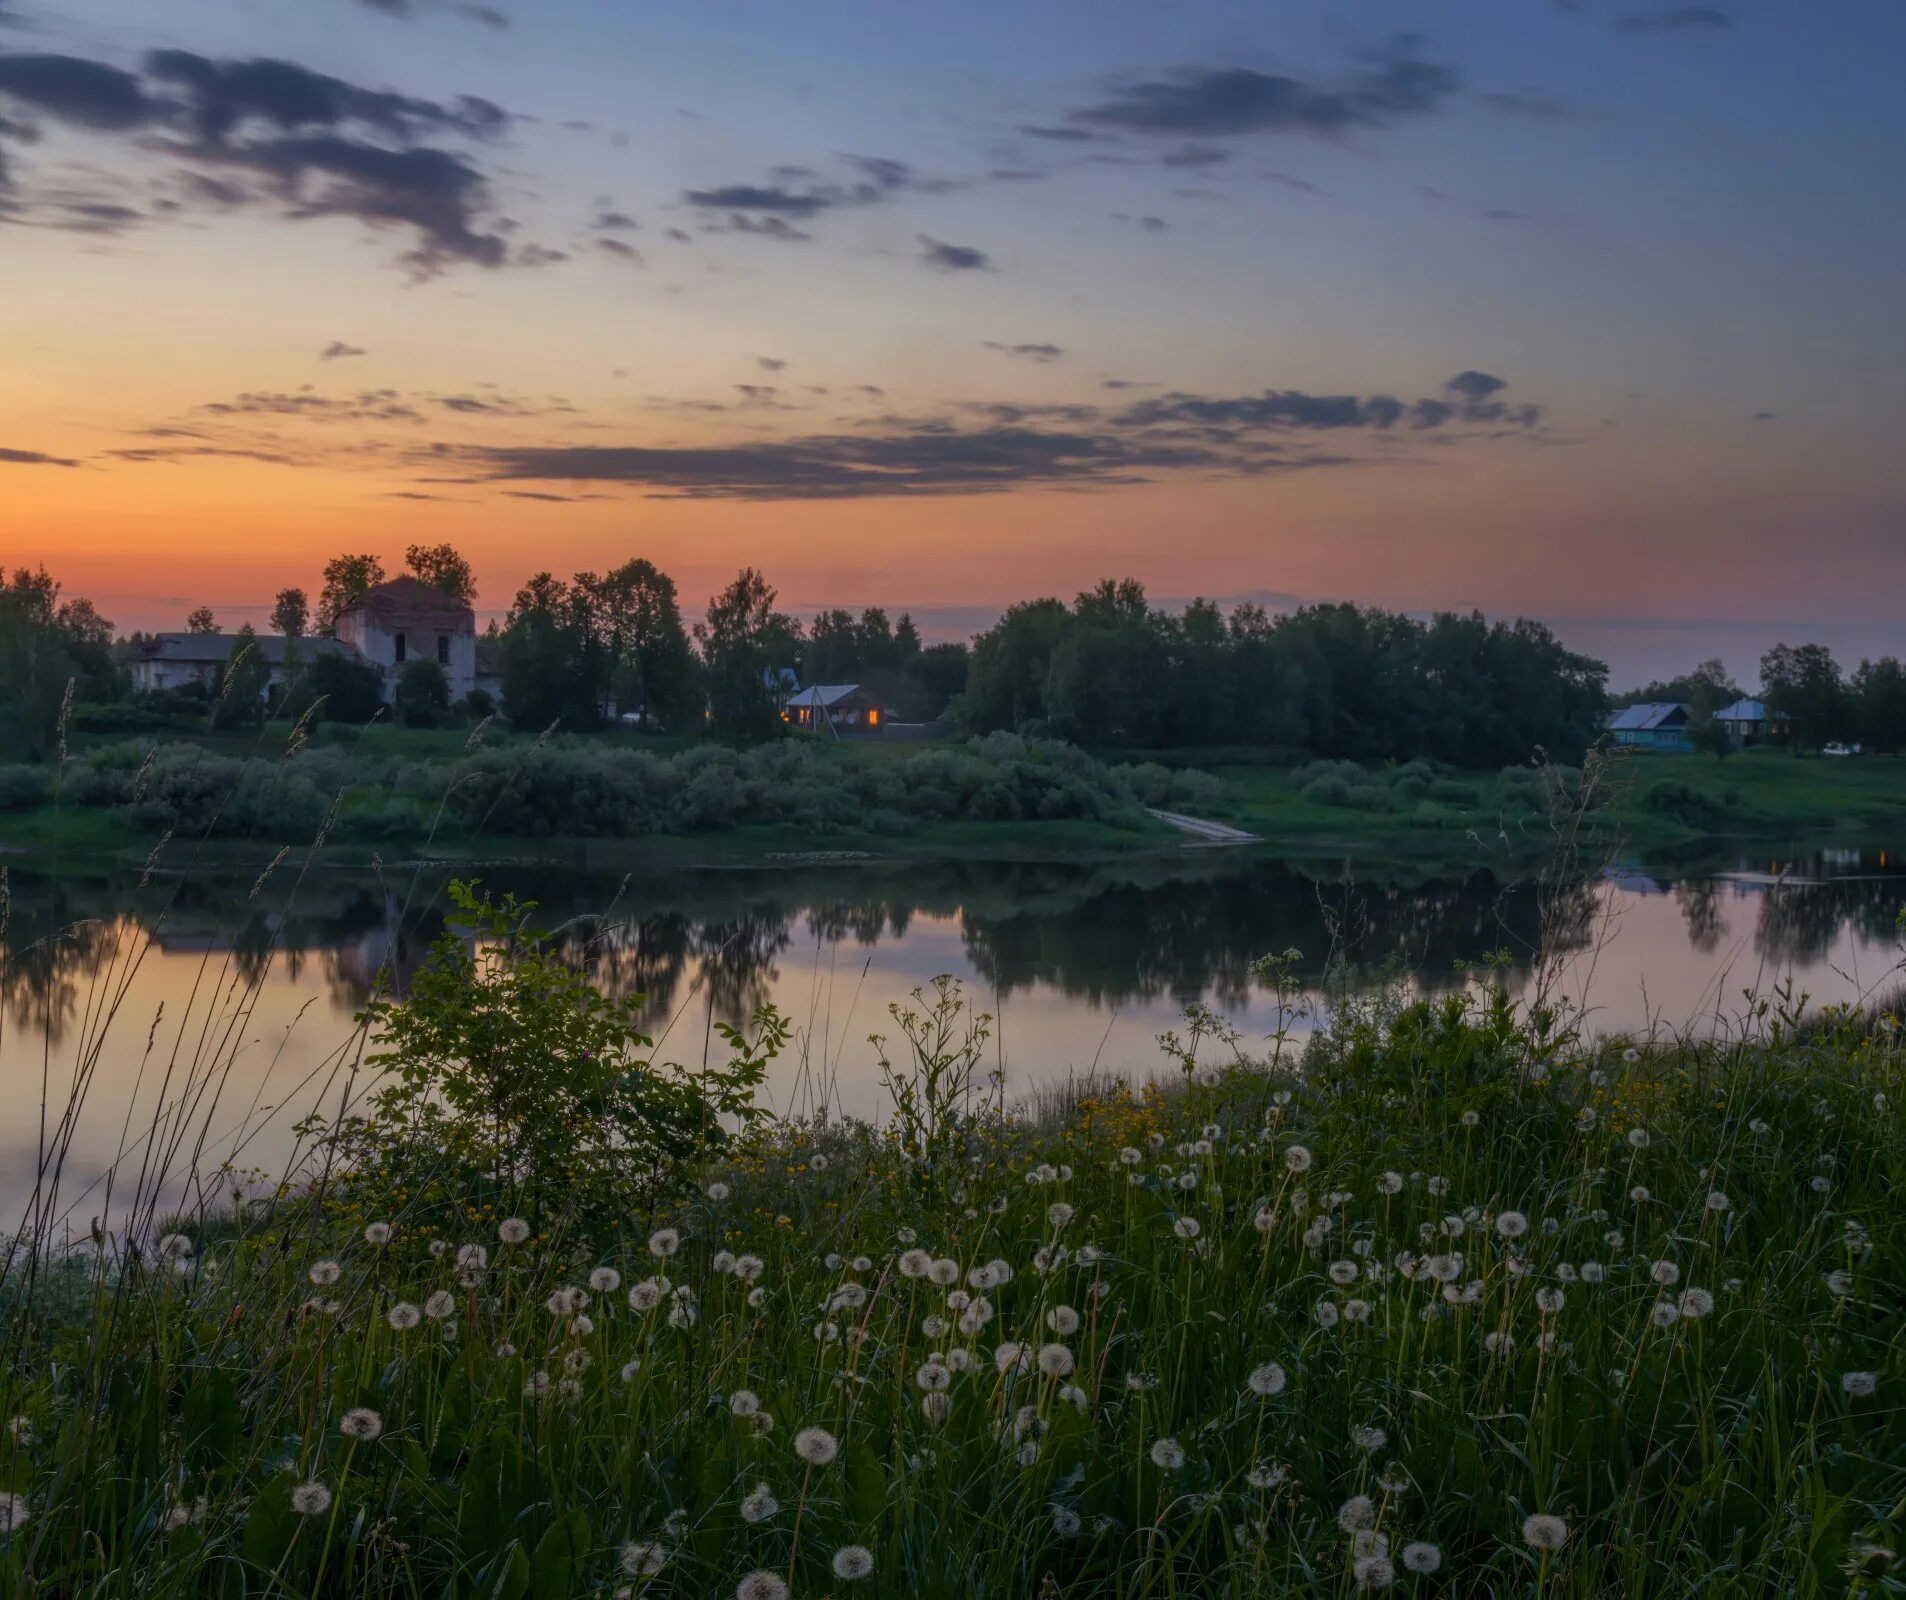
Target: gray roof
{"points": [[1743, 711], [194, 649], [1646, 717], [823, 695]]}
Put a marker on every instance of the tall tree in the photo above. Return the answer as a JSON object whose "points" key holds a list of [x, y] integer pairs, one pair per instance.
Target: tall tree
{"points": [[1879, 693], [290, 613], [1802, 685], [441, 567], [638, 619], [245, 684], [201, 620], [746, 645], [36, 664], [346, 579], [549, 657]]}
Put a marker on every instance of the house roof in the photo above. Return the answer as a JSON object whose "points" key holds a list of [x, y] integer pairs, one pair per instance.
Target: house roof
{"points": [[1743, 711], [823, 695], [196, 649], [1647, 716], [408, 594]]}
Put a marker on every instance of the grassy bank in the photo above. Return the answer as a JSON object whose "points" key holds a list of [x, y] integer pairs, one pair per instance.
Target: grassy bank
{"points": [[1650, 802], [1455, 1305]]}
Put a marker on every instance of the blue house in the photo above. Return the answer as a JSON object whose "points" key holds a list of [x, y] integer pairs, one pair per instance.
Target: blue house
{"points": [[1653, 725]]}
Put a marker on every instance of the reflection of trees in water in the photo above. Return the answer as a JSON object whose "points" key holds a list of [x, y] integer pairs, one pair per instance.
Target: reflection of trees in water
{"points": [[1700, 903], [1155, 927], [1188, 940], [1800, 922]]}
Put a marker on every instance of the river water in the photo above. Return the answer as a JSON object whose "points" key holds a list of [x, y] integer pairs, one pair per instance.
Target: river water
{"points": [[232, 1010]]}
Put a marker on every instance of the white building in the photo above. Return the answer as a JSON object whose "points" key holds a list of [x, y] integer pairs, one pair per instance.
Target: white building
{"points": [[189, 660], [407, 620]]}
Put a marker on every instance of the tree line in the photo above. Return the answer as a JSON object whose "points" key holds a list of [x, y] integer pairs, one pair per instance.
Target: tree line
{"points": [[1110, 669]]}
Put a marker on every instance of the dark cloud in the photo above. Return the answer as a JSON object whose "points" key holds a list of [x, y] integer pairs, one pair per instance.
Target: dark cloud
{"points": [[87, 94], [338, 350], [536, 255], [1474, 385], [614, 222], [1536, 104], [1224, 101], [318, 145], [489, 16], [1285, 181], [1766, 416], [798, 194], [223, 96], [1030, 352], [1062, 135], [1676, 19], [944, 257], [1506, 214], [1469, 397], [368, 405], [850, 466], [34, 458], [770, 363], [1195, 155], [621, 251]]}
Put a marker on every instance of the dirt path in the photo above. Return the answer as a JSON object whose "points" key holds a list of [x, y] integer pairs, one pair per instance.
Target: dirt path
{"points": [[1205, 831]]}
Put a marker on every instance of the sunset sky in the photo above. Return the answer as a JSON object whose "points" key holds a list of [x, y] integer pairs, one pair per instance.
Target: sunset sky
{"points": [[1589, 311]]}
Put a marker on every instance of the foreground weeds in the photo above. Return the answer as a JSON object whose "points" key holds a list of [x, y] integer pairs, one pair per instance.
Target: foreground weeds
{"points": [[1443, 1304]]}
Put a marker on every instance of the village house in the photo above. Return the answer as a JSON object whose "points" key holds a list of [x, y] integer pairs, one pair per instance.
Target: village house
{"points": [[1749, 722], [407, 620], [198, 660], [393, 623], [1653, 725], [835, 707]]}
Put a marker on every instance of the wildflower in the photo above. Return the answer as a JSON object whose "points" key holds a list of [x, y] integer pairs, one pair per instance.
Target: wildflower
{"points": [[1063, 1320], [14, 1510], [1717, 1202], [1186, 1227], [177, 1245], [1498, 1342], [762, 1584], [1297, 1159], [1130, 1157], [643, 1560], [759, 1504], [1421, 1556], [311, 1499], [505, 1351], [361, 1423], [1666, 1314], [852, 1562], [184, 1514], [403, 1315], [1369, 1438], [1819, 1184], [1638, 1138], [818, 1161], [1471, 1119], [512, 1230], [664, 1242], [1390, 1183], [1059, 1213], [1065, 1522], [748, 1268], [377, 1233], [1359, 1511], [1592, 1272], [1544, 1532], [1327, 1313], [1011, 1356], [1696, 1302], [816, 1446], [1550, 1301], [605, 1280], [440, 1305], [1373, 1571], [1839, 1281], [915, 1263], [683, 1314], [1267, 1380], [1055, 1360], [717, 1192], [1168, 1454], [1639, 1194], [472, 1257], [645, 1296], [1859, 1385], [324, 1273], [1512, 1224]]}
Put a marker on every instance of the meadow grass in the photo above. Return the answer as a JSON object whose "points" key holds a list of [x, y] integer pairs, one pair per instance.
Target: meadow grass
{"points": [[1450, 1300]]}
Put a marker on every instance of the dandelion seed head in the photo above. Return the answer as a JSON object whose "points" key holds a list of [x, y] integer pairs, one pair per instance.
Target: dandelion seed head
{"points": [[853, 1562], [311, 1499], [361, 1423], [1541, 1531], [816, 1446]]}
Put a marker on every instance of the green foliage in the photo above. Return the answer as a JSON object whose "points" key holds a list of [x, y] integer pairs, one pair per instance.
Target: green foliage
{"points": [[509, 1075], [1804, 687], [1340, 681], [23, 786], [244, 684], [422, 696], [1456, 1268], [51, 652], [746, 648], [1683, 803], [334, 688]]}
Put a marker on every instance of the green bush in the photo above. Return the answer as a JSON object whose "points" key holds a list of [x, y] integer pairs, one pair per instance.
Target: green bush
{"points": [[23, 786]]}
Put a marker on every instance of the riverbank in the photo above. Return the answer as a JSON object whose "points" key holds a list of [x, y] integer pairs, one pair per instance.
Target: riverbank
{"points": [[1410, 1315]]}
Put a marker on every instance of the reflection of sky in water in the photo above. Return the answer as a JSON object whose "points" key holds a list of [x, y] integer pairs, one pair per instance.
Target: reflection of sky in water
{"points": [[1082, 970]]}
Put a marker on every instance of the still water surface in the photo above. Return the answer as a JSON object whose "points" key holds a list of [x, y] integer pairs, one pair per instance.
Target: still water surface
{"points": [[233, 1012]]}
